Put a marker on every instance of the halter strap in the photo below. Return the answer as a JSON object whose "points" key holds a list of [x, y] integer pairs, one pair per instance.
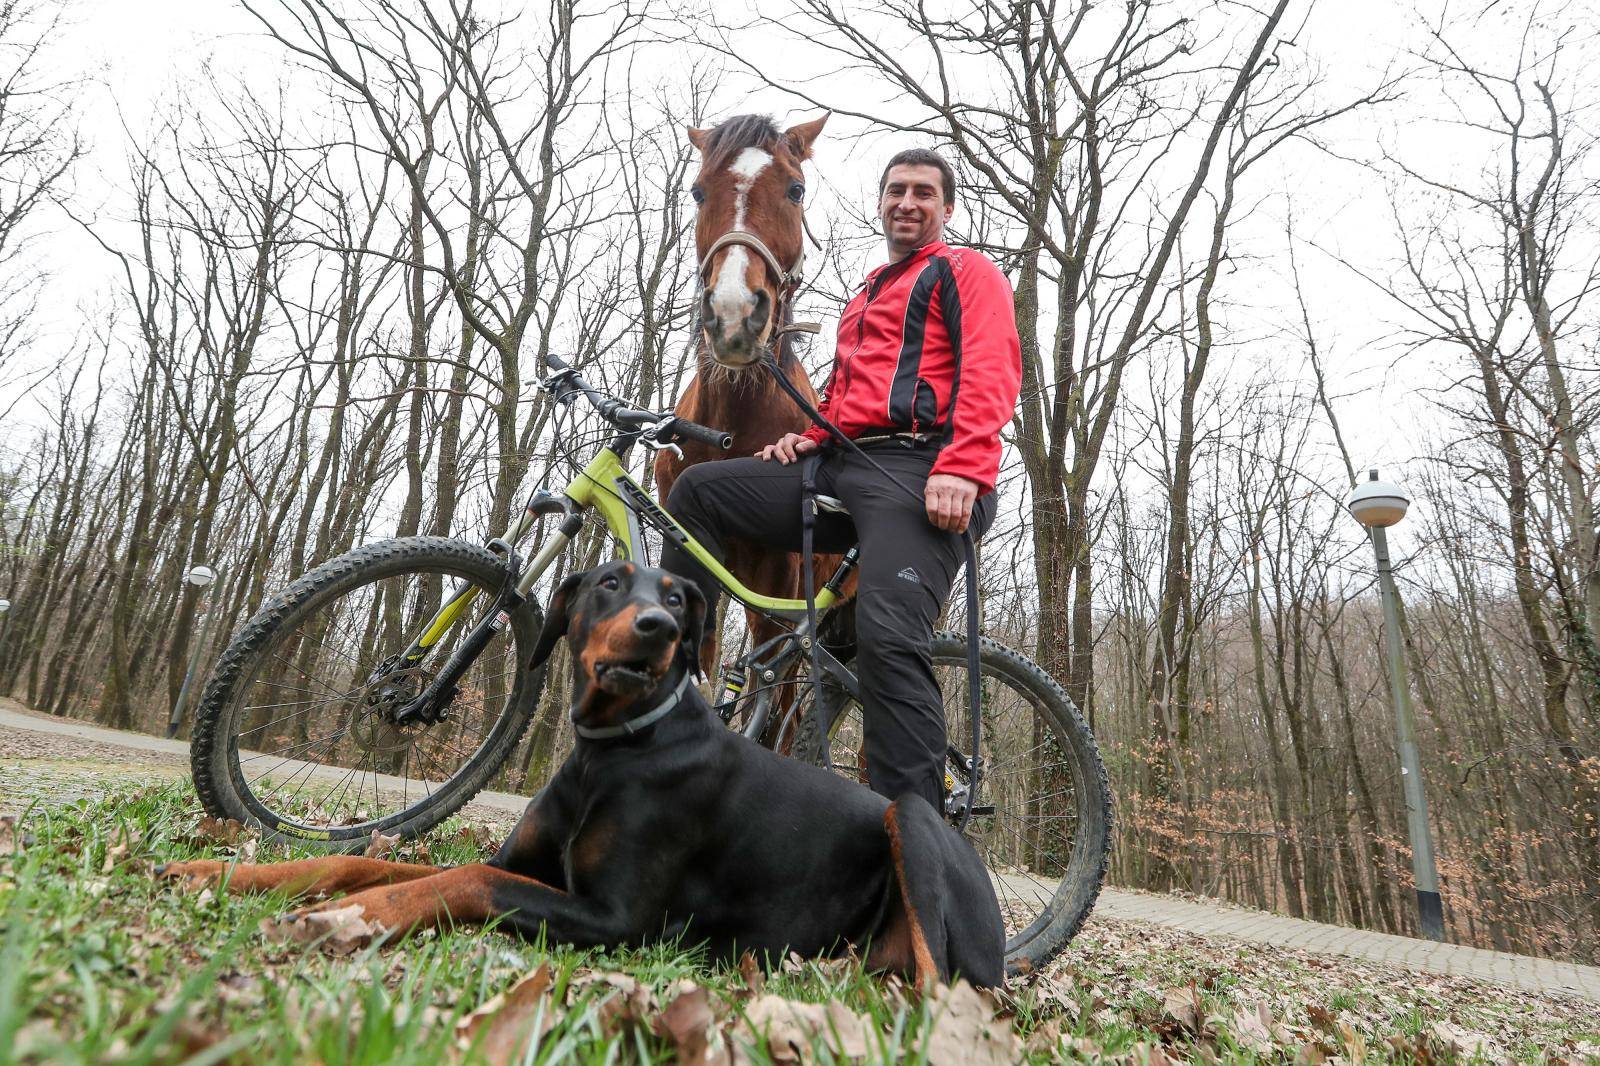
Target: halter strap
{"points": [[633, 725], [787, 279]]}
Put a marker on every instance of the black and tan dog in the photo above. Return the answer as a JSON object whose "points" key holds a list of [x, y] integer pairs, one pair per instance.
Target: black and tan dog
{"points": [[664, 823]]}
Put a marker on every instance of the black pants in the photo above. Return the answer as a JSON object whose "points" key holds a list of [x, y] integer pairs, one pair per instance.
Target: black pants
{"points": [[907, 568]]}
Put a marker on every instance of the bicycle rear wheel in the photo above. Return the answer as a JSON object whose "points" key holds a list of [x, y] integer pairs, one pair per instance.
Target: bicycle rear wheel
{"points": [[1043, 818], [295, 731]]}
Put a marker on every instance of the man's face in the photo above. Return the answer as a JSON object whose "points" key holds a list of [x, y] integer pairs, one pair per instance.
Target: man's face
{"points": [[912, 208]]}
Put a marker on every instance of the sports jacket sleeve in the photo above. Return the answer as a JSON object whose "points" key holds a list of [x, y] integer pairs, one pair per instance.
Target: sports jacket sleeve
{"points": [[816, 433], [990, 372]]}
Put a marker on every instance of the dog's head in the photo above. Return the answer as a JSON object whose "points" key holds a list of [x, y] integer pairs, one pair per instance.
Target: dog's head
{"points": [[633, 630]]}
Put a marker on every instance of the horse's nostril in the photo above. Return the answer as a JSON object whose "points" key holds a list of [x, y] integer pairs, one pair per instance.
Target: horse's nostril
{"points": [[756, 321], [706, 314]]}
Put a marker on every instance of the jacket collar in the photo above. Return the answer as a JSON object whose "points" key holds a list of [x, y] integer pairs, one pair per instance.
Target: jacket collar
{"points": [[922, 253]]}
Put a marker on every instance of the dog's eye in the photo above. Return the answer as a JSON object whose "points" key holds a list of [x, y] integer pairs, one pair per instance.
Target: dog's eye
{"points": [[610, 583], [797, 192], [674, 600]]}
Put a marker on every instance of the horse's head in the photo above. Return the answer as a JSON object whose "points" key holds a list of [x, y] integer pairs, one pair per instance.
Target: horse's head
{"points": [[749, 234]]}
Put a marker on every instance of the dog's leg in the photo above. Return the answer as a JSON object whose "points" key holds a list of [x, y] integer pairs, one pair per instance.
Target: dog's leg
{"points": [[471, 895], [321, 876], [945, 918]]}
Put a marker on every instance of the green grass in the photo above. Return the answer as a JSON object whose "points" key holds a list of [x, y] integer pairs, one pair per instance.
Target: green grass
{"points": [[100, 963]]}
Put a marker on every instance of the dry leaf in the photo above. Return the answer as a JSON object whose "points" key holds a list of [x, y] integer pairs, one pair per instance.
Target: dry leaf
{"points": [[499, 1030], [625, 1000], [337, 932], [219, 831], [792, 1028], [123, 841], [1184, 1006], [965, 1029], [1464, 1043], [381, 846], [10, 839], [1251, 1030], [691, 1025], [754, 978]]}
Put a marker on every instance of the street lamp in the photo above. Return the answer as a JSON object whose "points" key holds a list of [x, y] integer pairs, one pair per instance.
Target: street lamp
{"points": [[1378, 505], [199, 576], [5, 614]]}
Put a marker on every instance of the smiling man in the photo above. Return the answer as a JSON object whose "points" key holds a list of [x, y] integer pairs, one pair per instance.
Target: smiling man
{"points": [[926, 372]]}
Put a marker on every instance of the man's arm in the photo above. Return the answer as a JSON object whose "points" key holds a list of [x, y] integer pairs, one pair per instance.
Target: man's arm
{"points": [[991, 378]]}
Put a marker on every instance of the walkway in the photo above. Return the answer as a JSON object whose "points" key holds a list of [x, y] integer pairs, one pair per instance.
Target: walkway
{"points": [[1495, 967]]}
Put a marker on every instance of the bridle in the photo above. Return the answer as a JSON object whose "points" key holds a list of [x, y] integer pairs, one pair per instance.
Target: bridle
{"points": [[788, 280]]}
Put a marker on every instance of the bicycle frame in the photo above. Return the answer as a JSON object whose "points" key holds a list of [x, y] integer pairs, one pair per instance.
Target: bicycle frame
{"points": [[604, 485]]}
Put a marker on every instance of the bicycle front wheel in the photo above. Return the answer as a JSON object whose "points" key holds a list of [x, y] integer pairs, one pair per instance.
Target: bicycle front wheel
{"points": [[295, 732], [1042, 817]]}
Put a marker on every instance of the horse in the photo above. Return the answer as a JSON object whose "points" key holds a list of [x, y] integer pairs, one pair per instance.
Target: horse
{"points": [[750, 240]]}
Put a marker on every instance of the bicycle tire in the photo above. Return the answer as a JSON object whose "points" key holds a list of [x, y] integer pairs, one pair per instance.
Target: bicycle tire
{"points": [[1077, 885], [214, 749]]}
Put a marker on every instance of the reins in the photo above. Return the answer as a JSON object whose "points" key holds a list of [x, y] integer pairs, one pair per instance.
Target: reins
{"points": [[788, 285]]}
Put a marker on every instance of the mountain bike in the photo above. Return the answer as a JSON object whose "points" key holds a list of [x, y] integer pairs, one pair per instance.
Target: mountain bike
{"points": [[384, 689]]}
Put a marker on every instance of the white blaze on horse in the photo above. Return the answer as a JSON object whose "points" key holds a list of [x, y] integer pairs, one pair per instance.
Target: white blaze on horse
{"points": [[750, 240]]}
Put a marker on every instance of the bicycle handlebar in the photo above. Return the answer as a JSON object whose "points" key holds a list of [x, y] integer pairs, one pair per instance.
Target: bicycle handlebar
{"points": [[619, 413]]}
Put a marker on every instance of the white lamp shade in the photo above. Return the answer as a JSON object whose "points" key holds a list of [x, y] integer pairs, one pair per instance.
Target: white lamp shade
{"points": [[201, 575], [1378, 503]]}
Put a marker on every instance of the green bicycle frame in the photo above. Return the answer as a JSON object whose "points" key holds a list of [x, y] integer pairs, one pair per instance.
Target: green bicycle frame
{"points": [[605, 486]]}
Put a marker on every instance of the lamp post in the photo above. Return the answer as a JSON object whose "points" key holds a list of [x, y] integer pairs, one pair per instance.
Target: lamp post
{"points": [[199, 576], [1378, 505], [5, 615]]}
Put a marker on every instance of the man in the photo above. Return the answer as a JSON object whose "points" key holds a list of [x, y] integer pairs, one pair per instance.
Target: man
{"points": [[925, 374]]}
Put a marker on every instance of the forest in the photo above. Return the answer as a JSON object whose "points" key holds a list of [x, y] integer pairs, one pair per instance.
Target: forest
{"points": [[327, 278]]}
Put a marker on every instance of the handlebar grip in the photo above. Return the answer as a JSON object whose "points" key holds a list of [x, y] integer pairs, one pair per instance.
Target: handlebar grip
{"points": [[704, 434], [555, 362]]}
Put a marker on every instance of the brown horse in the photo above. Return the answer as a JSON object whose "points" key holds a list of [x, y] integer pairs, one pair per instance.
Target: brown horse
{"points": [[750, 239]]}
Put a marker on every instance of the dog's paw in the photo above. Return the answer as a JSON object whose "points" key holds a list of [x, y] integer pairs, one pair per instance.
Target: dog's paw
{"points": [[192, 876]]}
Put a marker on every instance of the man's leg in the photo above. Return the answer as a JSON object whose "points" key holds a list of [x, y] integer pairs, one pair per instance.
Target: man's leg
{"points": [[907, 569], [746, 499]]}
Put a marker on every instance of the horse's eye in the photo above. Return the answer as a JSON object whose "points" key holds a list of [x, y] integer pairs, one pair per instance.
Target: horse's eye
{"points": [[797, 192], [698, 194], [674, 600]]}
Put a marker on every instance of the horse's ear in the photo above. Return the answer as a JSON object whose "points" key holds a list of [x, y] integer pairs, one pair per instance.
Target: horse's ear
{"points": [[699, 138], [801, 137], [556, 619]]}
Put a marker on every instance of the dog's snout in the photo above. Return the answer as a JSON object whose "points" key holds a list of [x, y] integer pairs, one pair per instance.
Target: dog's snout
{"points": [[655, 622]]}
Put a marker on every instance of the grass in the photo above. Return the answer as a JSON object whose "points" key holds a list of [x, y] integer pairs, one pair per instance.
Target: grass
{"points": [[99, 963]]}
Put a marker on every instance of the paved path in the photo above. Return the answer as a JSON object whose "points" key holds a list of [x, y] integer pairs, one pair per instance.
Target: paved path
{"points": [[1495, 967]]}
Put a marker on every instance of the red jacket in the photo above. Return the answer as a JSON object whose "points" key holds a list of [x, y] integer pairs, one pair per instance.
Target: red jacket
{"points": [[930, 344]]}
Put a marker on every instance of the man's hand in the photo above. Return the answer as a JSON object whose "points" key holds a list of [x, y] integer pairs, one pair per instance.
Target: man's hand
{"points": [[950, 499], [789, 448]]}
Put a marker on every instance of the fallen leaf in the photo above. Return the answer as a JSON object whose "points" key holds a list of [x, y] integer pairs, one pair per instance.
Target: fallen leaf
{"points": [[692, 1027], [337, 932], [754, 979], [1462, 1042], [219, 830], [965, 1029], [123, 841], [498, 1032], [381, 846], [791, 1029], [624, 999], [10, 839], [1184, 1006], [1250, 1032]]}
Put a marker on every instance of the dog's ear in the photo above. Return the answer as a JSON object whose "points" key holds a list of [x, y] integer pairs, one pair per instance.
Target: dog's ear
{"points": [[556, 618], [694, 628]]}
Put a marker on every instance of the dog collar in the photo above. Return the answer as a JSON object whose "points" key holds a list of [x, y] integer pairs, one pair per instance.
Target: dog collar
{"points": [[633, 725]]}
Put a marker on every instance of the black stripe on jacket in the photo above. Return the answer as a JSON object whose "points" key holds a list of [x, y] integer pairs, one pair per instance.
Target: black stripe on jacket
{"points": [[906, 407]]}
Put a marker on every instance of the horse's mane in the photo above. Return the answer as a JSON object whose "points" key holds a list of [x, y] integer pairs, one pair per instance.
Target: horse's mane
{"points": [[730, 138]]}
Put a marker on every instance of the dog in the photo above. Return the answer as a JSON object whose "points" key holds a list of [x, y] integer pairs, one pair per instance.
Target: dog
{"points": [[664, 824]]}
